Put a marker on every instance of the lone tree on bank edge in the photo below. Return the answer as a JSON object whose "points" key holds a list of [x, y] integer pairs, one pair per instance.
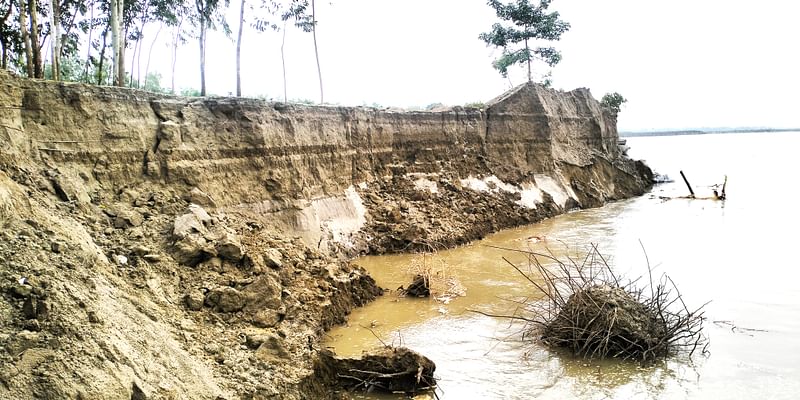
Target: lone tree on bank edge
{"points": [[613, 101], [530, 23]]}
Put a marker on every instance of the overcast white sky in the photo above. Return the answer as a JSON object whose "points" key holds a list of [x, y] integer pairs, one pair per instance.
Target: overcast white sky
{"points": [[680, 63]]}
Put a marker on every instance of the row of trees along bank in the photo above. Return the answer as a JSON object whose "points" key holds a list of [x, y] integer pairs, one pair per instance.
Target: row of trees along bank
{"points": [[76, 35], [113, 31]]}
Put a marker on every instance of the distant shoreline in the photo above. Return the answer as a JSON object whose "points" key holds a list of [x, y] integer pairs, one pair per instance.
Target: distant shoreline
{"points": [[706, 132]]}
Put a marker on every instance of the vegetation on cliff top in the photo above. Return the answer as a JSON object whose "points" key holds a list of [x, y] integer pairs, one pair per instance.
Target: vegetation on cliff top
{"points": [[613, 101], [529, 24], [102, 41], [111, 42]]}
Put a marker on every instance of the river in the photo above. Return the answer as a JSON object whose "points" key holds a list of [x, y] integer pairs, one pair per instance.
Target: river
{"points": [[737, 254]]}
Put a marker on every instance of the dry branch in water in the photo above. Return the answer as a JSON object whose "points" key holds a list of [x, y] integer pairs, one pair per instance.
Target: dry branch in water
{"points": [[591, 311], [433, 278]]}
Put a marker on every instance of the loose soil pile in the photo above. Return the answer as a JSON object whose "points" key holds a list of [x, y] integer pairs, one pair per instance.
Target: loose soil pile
{"points": [[143, 293]]}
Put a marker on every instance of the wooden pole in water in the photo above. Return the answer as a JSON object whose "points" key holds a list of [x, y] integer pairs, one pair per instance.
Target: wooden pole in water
{"points": [[687, 184], [723, 187]]}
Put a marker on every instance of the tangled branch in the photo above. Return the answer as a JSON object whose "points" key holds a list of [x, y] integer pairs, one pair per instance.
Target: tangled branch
{"points": [[588, 309]]}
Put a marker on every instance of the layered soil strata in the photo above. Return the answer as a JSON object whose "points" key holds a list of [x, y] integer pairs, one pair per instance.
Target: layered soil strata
{"points": [[167, 247]]}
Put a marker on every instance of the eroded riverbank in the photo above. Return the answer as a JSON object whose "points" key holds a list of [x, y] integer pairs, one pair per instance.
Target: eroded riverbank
{"points": [[163, 246], [733, 254]]}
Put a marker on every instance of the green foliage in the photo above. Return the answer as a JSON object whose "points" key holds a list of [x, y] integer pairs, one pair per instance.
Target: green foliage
{"points": [[209, 13], [529, 24], [85, 33], [478, 104], [288, 10], [190, 92], [152, 83], [308, 102], [613, 101], [71, 69]]}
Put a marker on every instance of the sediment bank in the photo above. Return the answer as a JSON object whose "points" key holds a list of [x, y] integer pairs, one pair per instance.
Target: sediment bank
{"points": [[113, 286]]}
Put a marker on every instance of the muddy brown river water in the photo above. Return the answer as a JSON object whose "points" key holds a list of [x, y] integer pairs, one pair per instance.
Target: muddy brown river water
{"points": [[740, 254]]}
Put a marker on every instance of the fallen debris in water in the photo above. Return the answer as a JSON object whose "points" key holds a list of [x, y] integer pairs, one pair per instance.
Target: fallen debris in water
{"points": [[716, 195], [590, 311], [432, 278], [419, 287], [387, 369]]}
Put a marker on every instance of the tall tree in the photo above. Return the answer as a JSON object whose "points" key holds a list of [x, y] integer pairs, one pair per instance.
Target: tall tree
{"points": [[117, 42], [89, 26], [26, 38], [36, 48], [9, 33], [207, 11], [149, 56], [55, 27], [177, 38], [316, 51], [239, 51], [613, 101], [529, 24], [295, 10]]}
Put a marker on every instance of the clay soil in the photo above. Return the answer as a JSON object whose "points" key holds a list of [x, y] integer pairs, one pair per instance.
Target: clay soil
{"points": [[94, 304]]}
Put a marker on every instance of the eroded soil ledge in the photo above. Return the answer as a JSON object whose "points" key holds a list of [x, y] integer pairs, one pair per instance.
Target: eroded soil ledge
{"points": [[162, 247]]}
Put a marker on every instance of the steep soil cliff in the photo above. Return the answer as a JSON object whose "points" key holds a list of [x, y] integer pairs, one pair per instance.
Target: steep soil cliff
{"points": [[165, 247]]}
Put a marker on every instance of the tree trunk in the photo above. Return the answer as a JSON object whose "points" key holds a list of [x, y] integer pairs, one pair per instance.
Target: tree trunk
{"points": [[528, 53], [133, 61], [203, 57], [55, 26], [26, 39], [150, 54], [175, 39], [89, 49], [138, 47], [69, 26], [283, 65], [3, 39], [316, 52], [33, 11], [119, 65], [102, 58], [140, 43], [239, 52]]}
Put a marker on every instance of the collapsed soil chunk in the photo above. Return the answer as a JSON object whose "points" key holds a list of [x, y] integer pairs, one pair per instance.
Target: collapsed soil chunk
{"points": [[604, 320], [386, 369], [419, 287]]}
